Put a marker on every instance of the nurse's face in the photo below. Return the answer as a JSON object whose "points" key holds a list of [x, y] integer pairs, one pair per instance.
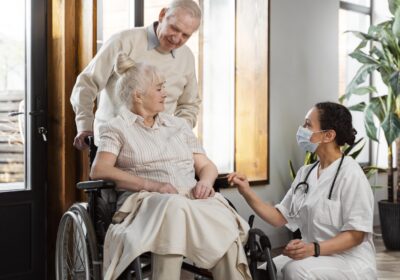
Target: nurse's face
{"points": [[311, 122]]}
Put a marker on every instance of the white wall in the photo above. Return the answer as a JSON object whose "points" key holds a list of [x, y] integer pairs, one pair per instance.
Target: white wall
{"points": [[303, 71]]}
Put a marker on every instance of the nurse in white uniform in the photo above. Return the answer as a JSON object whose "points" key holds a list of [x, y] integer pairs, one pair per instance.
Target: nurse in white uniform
{"points": [[331, 202]]}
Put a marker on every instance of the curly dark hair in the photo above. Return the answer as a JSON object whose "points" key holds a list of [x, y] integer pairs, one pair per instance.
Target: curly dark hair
{"points": [[338, 118]]}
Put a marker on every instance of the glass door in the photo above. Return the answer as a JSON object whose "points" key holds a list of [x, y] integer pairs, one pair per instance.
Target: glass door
{"points": [[22, 139]]}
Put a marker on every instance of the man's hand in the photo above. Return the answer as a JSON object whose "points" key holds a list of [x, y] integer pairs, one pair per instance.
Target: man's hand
{"points": [[79, 141], [203, 190], [240, 181], [298, 250]]}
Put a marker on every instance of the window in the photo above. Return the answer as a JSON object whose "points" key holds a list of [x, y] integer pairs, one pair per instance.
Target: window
{"points": [[12, 94], [358, 15], [232, 74], [353, 17]]}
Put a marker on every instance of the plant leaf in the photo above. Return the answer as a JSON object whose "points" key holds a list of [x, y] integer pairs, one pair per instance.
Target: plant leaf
{"points": [[391, 127], [356, 149], [363, 36], [363, 90], [393, 6], [376, 104], [291, 170], [369, 124], [395, 82], [360, 77], [396, 23], [362, 57], [360, 107]]}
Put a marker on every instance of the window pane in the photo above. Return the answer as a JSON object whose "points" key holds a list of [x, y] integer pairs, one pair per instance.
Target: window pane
{"points": [[113, 16], [12, 94], [366, 3], [349, 20], [219, 82]]}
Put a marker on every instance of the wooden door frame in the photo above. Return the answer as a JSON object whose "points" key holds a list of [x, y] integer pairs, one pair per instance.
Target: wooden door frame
{"points": [[71, 45]]}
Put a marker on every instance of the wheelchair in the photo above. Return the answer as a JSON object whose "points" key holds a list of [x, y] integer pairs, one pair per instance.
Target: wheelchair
{"points": [[82, 230]]}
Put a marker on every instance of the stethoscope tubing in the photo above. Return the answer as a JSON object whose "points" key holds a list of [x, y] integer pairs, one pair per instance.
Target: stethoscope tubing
{"points": [[304, 182]]}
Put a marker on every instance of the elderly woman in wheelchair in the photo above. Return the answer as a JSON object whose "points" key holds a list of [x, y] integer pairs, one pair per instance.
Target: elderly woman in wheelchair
{"points": [[153, 159]]}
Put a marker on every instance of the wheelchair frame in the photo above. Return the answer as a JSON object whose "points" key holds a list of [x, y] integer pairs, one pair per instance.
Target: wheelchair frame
{"points": [[82, 230]]}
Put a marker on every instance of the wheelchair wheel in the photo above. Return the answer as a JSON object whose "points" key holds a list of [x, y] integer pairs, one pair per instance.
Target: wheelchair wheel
{"points": [[77, 256]]}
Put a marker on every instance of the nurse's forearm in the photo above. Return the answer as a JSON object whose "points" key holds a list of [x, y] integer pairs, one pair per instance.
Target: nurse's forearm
{"points": [[341, 242], [266, 211]]}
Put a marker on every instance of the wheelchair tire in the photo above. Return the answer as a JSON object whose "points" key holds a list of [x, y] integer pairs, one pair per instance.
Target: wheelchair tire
{"points": [[76, 248]]}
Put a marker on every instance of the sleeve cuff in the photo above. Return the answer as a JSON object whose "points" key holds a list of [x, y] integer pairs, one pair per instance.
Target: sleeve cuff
{"points": [[84, 125], [291, 224], [108, 148], [357, 227]]}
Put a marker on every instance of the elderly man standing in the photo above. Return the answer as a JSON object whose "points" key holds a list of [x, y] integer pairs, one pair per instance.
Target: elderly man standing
{"points": [[160, 44]]}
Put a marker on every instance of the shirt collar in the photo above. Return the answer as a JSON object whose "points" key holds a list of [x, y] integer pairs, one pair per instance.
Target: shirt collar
{"points": [[152, 39], [132, 118]]}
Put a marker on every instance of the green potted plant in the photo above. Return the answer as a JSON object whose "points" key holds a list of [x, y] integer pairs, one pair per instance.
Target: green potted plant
{"points": [[383, 109]]}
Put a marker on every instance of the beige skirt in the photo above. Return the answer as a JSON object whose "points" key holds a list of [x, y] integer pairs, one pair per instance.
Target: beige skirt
{"points": [[200, 229]]}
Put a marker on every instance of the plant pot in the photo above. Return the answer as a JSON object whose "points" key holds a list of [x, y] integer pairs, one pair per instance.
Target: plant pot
{"points": [[389, 214]]}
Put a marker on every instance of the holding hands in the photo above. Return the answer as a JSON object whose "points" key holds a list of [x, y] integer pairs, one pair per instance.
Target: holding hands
{"points": [[240, 181]]}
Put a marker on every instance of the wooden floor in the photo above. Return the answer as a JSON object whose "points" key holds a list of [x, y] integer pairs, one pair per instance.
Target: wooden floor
{"points": [[387, 262]]}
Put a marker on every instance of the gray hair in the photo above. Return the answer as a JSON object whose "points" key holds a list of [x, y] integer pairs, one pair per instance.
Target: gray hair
{"points": [[189, 6], [133, 77]]}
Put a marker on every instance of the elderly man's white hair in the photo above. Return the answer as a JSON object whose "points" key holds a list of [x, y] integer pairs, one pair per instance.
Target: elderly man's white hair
{"points": [[189, 6]]}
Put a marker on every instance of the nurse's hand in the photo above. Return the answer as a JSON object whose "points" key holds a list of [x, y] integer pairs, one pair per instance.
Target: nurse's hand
{"points": [[240, 181], [203, 190], [298, 250]]}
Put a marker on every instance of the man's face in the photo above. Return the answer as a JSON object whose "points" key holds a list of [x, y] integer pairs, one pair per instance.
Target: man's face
{"points": [[173, 31]]}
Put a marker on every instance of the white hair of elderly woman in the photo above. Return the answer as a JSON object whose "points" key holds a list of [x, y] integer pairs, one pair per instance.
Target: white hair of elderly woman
{"points": [[189, 6], [133, 77]]}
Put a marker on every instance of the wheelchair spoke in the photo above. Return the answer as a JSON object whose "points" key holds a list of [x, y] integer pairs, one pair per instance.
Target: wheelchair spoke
{"points": [[76, 251]]}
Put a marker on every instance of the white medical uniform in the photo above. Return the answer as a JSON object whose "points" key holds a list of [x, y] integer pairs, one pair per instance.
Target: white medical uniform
{"points": [[350, 208]]}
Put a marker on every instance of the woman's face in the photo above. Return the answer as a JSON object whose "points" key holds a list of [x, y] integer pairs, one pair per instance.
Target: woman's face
{"points": [[312, 123], [153, 100]]}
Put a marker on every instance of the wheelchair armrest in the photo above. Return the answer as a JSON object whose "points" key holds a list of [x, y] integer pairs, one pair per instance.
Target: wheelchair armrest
{"points": [[221, 183], [95, 185]]}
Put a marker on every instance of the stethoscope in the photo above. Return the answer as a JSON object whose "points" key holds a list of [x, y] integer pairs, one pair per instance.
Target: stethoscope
{"points": [[304, 185]]}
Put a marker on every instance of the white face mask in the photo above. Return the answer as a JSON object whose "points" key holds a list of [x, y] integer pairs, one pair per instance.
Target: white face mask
{"points": [[303, 137]]}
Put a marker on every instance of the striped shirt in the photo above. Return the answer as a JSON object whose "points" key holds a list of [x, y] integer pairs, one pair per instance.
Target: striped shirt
{"points": [[163, 153]]}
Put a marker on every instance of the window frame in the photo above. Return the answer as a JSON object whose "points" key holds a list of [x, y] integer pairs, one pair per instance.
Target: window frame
{"points": [[361, 9]]}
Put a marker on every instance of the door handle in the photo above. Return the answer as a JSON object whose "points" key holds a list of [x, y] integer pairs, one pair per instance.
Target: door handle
{"points": [[36, 113]]}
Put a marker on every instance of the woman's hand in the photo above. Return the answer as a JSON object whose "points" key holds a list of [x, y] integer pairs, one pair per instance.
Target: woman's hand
{"points": [[203, 190], [166, 188], [240, 181], [297, 249]]}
